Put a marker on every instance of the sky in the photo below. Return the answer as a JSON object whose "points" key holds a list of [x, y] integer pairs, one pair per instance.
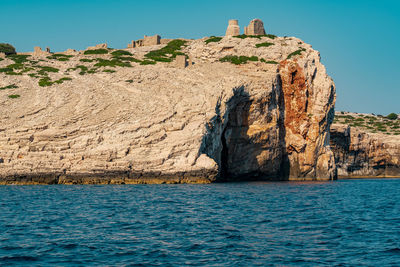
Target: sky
{"points": [[358, 40]]}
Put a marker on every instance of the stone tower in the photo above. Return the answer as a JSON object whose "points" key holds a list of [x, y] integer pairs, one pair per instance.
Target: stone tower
{"points": [[233, 28], [256, 27]]}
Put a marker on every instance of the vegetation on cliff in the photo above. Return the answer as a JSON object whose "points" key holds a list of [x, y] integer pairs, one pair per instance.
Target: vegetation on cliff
{"points": [[389, 125], [7, 49]]}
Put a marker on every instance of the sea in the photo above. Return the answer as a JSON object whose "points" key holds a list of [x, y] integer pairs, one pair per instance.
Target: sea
{"points": [[337, 223]]}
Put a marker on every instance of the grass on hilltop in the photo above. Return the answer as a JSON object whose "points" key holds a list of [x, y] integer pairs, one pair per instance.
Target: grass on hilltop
{"points": [[101, 51], [296, 53], [213, 39], [119, 53], [46, 81], [111, 63], [237, 60], [11, 86], [60, 57], [167, 53], [14, 96], [269, 61], [265, 44], [18, 58], [244, 36], [86, 60], [371, 123]]}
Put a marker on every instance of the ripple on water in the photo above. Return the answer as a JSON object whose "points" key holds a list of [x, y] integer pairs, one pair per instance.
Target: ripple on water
{"points": [[353, 222]]}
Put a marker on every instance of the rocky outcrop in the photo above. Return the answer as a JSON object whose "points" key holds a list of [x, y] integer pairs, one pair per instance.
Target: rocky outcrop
{"points": [[158, 123], [359, 153]]}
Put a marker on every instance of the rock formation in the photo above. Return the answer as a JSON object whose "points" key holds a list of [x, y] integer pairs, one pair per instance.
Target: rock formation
{"points": [[362, 153], [256, 27], [38, 52], [98, 46], [233, 28], [214, 121]]}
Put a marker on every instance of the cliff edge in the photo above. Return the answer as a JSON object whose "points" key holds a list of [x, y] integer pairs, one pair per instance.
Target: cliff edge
{"points": [[366, 145], [246, 108]]}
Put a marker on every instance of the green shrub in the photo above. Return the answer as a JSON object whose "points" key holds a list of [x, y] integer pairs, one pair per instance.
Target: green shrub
{"points": [[1, 59], [147, 62], [129, 81], [237, 60], [110, 71], [244, 36], [119, 53], [86, 60], [60, 57], [7, 49], [167, 53], [392, 116], [91, 71], [16, 66], [45, 69], [213, 39], [265, 44], [18, 58], [59, 81], [46, 81], [96, 52], [296, 53], [6, 69], [131, 59], [11, 86], [14, 96], [269, 61], [111, 63]]}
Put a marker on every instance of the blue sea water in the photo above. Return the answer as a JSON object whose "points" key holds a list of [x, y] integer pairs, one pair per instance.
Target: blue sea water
{"points": [[346, 222]]}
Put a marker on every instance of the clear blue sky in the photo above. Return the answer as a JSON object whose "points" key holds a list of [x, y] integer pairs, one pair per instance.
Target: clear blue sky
{"points": [[358, 40]]}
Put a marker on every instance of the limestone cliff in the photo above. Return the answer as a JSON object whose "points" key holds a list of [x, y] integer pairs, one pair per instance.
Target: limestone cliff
{"points": [[366, 146], [267, 118]]}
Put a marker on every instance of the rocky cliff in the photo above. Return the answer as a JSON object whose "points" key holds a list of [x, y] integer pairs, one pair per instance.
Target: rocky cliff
{"points": [[248, 108], [366, 145]]}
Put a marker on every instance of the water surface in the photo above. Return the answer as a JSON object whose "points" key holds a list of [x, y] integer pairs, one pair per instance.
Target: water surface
{"points": [[348, 222]]}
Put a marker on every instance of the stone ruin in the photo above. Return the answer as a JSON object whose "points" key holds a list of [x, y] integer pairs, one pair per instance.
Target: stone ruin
{"points": [[146, 41], [182, 62], [256, 27], [2, 55], [233, 28], [38, 52]]}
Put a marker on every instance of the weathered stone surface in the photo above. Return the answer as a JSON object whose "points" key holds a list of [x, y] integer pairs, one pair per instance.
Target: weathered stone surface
{"points": [[2, 55], [181, 61], [359, 153], [98, 46], [146, 41], [70, 51], [256, 27], [233, 28], [38, 52], [212, 121]]}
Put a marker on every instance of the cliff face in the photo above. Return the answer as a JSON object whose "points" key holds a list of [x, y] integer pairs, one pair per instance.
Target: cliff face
{"points": [[212, 121], [362, 153]]}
